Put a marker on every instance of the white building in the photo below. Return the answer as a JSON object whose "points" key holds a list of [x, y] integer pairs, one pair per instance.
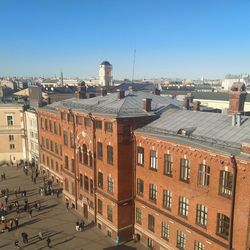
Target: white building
{"points": [[32, 152], [105, 74]]}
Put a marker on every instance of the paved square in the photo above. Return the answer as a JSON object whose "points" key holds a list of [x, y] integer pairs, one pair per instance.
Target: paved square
{"points": [[53, 220]]}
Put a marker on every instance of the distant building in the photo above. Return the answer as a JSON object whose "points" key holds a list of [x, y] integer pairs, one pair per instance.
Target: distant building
{"points": [[105, 74]]}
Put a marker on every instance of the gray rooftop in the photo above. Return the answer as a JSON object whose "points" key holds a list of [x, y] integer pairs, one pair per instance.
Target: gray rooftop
{"points": [[208, 129], [129, 106]]}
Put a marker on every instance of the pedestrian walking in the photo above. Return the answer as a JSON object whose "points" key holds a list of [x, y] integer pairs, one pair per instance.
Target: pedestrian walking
{"points": [[57, 193], [67, 205], [30, 213], [48, 242], [25, 237], [16, 222]]}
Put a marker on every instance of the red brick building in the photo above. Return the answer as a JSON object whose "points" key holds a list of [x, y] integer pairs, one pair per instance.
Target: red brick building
{"points": [[98, 153]]}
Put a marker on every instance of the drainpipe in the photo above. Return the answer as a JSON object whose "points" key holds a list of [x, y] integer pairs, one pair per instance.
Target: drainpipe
{"points": [[230, 238], [95, 171]]}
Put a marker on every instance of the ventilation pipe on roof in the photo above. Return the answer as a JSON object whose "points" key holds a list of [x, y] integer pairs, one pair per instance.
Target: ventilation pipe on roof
{"points": [[103, 92], [147, 104], [121, 94]]}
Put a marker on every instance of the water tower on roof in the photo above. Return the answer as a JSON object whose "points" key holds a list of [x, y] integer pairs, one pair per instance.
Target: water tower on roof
{"points": [[105, 74]]}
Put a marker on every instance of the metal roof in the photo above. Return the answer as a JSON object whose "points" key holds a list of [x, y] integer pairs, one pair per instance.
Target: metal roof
{"points": [[212, 128], [129, 106]]}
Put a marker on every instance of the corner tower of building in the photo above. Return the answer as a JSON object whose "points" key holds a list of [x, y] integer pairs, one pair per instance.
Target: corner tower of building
{"points": [[105, 74]]}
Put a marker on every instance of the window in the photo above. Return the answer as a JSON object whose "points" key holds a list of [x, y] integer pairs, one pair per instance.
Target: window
{"points": [[47, 161], [86, 183], [204, 175], [153, 159], [110, 184], [52, 146], [41, 121], [71, 118], [185, 170], [150, 243], [66, 184], [140, 156], [72, 142], [90, 159], [99, 151], [56, 148], [46, 124], [152, 192], [57, 168], [138, 215], [11, 137], [91, 187], [165, 230], [201, 215], [43, 159], [72, 165], [140, 187], [99, 203], [73, 187], [52, 164], [226, 179], [109, 213], [60, 150], [47, 143], [223, 225], [79, 120], [151, 222], [12, 146], [87, 122], [65, 138], [100, 180], [98, 124], [85, 154], [181, 240], [43, 143], [64, 116], [110, 155], [66, 159], [80, 181], [108, 127], [50, 126], [183, 206], [198, 245], [55, 128], [168, 164], [10, 121], [167, 199]]}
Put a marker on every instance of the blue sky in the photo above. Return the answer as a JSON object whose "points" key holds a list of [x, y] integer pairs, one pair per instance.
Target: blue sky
{"points": [[172, 38]]}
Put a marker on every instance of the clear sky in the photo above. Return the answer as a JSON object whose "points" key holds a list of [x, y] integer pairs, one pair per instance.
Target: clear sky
{"points": [[172, 38]]}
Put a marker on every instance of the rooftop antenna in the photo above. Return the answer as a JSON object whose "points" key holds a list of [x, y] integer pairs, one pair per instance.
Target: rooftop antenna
{"points": [[133, 66]]}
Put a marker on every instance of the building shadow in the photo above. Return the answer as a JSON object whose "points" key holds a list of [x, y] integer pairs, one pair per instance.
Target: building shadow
{"points": [[120, 247]]}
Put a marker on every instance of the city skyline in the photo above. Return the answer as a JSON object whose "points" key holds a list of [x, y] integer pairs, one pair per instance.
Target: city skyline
{"points": [[172, 39]]}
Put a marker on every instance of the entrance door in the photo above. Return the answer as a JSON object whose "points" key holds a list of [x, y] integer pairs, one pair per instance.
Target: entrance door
{"points": [[85, 211]]}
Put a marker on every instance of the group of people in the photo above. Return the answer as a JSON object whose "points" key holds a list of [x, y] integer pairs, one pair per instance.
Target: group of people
{"points": [[3, 176], [80, 225]]}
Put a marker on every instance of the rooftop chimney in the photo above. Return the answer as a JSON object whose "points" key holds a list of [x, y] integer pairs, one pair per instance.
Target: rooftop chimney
{"points": [[196, 105], [121, 94], [147, 104], [156, 91], [237, 97], [186, 103], [103, 92], [81, 90]]}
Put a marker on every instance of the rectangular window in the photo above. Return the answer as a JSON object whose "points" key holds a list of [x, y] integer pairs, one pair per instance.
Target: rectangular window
{"points": [[91, 187], [226, 179], [98, 124], [223, 225], [72, 140], [151, 222], [152, 192], [52, 164], [71, 118], [12, 146], [86, 183], [66, 159], [138, 216], [140, 187], [198, 245], [73, 187], [79, 120], [72, 165], [150, 244], [109, 127], [167, 199], [60, 150], [10, 121], [80, 181], [55, 128], [100, 180], [201, 215], [168, 163], [110, 184], [52, 146], [87, 122], [99, 202], [183, 206], [140, 156], [47, 143], [110, 155], [57, 168], [181, 240], [50, 126], [43, 143], [109, 213], [185, 170], [47, 161], [46, 124], [153, 159], [99, 151], [56, 148], [11, 137], [204, 175], [42, 124], [165, 231], [66, 185], [65, 138]]}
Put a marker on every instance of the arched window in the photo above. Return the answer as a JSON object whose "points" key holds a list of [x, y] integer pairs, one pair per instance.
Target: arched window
{"points": [[90, 159], [85, 154], [80, 154]]}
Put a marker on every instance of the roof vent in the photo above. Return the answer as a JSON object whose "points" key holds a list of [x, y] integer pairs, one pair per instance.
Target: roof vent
{"points": [[147, 104], [121, 93]]}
